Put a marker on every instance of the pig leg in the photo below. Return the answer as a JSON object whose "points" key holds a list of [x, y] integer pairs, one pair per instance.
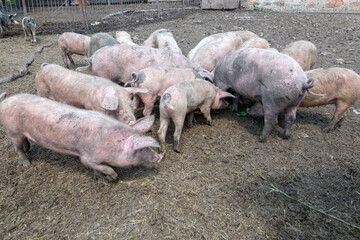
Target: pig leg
{"points": [[164, 123], [190, 119], [205, 110], [110, 174], [18, 140], [235, 106], [270, 119], [25, 35], [290, 116], [33, 34], [340, 112], [149, 101], [69, 54], [135, 102], [64, 57], [256, 110], [179, 120]]}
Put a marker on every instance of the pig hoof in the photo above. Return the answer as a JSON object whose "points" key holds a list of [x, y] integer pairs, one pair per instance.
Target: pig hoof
{"points": [[24, 162], [262, 139], [176, 149], [111, 177], [327, 129]]}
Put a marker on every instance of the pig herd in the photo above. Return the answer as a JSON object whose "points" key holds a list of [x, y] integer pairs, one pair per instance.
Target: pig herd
{"points": [[92, 116]]}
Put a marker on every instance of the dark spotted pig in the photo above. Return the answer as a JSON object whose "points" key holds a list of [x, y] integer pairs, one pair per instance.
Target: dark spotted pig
{"points": [[29, 28], [341, 87], [7, 20], [100, 141], [274, 80], [99, 40]]}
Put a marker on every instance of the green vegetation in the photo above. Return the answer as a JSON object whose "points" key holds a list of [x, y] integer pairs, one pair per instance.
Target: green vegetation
{"points": [[256, 8]]}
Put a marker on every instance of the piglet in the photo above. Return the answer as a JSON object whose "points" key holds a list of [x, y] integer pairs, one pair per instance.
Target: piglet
{"points": [[29, 28], [157, 80], [7, 20], [183, 98], [99, 141], [73, 43], [341, 87], [86, 91]]}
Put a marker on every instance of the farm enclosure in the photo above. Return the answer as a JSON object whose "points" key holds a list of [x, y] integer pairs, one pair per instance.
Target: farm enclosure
{"points": [[219, 186]]}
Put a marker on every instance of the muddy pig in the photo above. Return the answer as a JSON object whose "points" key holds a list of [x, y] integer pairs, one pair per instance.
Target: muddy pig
{"points": [[244, 35], [164, 39], [256, 42], [124, 37], [183, 98], [86, 91], [341, 87], [208, 55], [157, 80], [7, 20], [100, 141], [29, 28], [304, 52], [274, 80], [73, 43], [99, 40], [117, 62]]}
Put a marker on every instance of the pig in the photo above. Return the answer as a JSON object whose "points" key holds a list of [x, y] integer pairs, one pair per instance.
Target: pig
{"points": [[97, 139], [256, 42], [244, 35], [73, 43], [183, 98], [124, 37], [157, 80], [274, 80], [29, 28], [7, 20], [99, 40], [117, 62], [304, 52], [86, 91], [2, 96], [341, 87], [164, 39], [208, 55]]}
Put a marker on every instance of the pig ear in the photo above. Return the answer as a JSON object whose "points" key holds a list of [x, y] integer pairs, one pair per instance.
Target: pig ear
{"points": [[110, 102], [140, 142], [144, 124], [223, 94], [134, 90]]}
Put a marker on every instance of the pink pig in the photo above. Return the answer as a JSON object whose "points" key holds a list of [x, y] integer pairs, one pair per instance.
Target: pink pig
{"points": [[184, 98], [86, 91], [73, 43], [100, 141], [157, 80], [304, 52], [162, 38]]}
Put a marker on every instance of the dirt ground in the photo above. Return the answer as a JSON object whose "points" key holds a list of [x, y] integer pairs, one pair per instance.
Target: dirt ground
{"points": [[219, 186]]}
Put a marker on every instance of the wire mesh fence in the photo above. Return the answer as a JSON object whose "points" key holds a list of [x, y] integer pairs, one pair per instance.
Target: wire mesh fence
{"points": [[56, 16]]}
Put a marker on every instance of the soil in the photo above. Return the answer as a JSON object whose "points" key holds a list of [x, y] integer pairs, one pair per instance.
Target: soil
{"points": [[219, 187]]}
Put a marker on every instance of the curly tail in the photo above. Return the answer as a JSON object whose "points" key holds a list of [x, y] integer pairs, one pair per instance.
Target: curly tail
{"points": [[166, 99], [309, 84], [2, 96], [43, 65]]}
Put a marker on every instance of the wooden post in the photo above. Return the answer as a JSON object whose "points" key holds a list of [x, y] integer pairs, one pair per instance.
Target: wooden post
{"points": [[83, 6], [24, 7], [109, 2], [158, 8]]}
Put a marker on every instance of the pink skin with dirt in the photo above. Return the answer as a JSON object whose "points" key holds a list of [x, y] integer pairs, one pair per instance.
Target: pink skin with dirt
{"points": [[208, 55], [184, 98], [256, 42], [124, 38], [341, 87], [244, 35], [157, 80], [119, 61], [86, 91], [73, 43], [274, 80], [164, 39], [304, 52], [100, 141]]}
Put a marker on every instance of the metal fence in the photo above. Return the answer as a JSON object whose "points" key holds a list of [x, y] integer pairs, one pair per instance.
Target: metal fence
{"points": [[56, 16]]}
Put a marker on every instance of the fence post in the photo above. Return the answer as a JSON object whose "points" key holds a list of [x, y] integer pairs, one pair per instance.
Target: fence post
{"points": [[108, 2], [158, 8], [24, 7], [83, 6]]}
